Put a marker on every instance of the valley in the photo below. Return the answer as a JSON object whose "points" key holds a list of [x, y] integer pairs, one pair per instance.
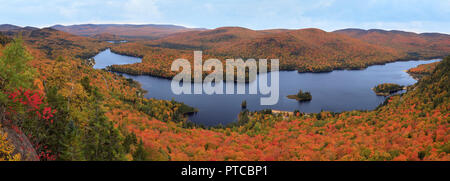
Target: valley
{"points": [[69, 110], [339, 90]]}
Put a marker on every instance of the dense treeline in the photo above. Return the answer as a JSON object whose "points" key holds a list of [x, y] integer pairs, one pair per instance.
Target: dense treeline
{"points": [[62, 105], [60, 128]]}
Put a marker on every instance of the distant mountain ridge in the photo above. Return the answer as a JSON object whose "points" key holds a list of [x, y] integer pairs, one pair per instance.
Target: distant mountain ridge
{"points": [[423, 45], [148, 31], [363, 31], [245, 42], [8, 27]]}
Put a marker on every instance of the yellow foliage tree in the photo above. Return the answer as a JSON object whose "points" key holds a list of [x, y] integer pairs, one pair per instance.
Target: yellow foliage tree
{"points": [[6, 149]]}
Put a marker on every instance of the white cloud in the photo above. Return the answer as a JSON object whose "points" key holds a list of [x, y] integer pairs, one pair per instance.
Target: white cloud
{"points": [[141, 10]]}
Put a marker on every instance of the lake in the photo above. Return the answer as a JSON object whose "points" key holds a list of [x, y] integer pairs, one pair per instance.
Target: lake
{"points": [[106, 58], [337, 91]]}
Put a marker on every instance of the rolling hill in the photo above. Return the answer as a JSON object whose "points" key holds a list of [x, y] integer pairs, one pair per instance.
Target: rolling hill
{"points": [[306, 50], [56, 43], [7, 27], [425, 45], [148, 31]]}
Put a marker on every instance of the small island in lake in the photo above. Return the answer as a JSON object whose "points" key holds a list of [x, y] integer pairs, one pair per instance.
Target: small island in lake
{"points": [[301, 96], [387, 88]]}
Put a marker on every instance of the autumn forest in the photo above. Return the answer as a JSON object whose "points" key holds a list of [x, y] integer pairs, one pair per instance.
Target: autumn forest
{"points": [[55, 106]]}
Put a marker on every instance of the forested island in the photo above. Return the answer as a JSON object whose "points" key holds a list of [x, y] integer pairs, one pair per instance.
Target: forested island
{"points": [[301, 96], [387, 88]]}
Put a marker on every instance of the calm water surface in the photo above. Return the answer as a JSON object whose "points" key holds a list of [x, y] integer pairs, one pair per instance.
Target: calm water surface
{"points": [[105, 58], [340, 90]]}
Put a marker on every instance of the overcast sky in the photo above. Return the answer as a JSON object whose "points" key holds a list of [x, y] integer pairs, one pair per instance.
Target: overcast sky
{"points": [[329, 15]]}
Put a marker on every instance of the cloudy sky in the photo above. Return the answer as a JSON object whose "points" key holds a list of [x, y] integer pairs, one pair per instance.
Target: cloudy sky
{"points": [[329, 15]]}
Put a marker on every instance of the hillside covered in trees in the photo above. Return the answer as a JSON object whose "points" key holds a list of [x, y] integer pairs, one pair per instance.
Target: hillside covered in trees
{"points": [[413, 45], [59, 106], [305, 50], [410, 126], [65, 110], [53, 43], [422, 70], [127, 31]]}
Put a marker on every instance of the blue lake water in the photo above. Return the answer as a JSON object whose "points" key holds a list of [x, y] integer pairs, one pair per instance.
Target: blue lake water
{"points": [[106, 57], [337, 91]]}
